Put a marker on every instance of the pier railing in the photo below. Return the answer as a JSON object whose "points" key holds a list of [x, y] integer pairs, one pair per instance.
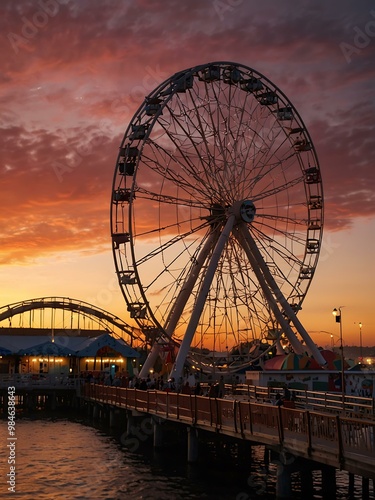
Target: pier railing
{"points": [[314, 400], [354, 406], [333, 439]]}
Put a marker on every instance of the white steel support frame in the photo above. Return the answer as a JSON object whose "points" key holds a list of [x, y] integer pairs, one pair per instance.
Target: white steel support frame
{"points": [[257, 268], [256, 256], [268, 284], [181, 300], [178, 366]]}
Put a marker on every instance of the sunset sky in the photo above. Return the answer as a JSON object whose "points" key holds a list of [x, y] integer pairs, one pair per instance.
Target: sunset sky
{"points": [[73, 73]]}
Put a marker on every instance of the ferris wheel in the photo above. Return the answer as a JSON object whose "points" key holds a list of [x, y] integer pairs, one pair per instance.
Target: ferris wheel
{"points": [[216, 213]]}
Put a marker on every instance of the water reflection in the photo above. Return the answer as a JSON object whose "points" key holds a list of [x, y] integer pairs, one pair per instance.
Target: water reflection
{"points": [[62, 459]]}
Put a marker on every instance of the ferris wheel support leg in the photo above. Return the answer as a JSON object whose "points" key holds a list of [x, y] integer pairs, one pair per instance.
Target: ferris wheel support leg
{"points": [[150, 360], [203, 292], [297, 346], [190, 282], [181, 301], [280, 297]]}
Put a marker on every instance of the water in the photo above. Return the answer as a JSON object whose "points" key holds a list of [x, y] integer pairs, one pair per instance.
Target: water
{"points": [[60, 459]]}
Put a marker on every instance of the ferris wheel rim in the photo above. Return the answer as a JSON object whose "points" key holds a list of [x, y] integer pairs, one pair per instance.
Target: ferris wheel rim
{"points": [[135, 190]]}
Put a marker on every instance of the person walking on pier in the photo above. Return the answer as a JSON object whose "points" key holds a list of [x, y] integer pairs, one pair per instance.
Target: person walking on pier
{"points": [[287, 395], [221, 387], [198, 389], [278, 400]]}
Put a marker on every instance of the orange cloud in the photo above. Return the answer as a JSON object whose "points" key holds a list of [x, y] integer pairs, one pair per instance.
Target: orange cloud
{"points": [[69, 92]]}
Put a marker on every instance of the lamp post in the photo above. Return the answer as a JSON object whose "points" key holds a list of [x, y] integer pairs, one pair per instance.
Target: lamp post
{"points": [[338, 315], [331, 335], [360, 343]]}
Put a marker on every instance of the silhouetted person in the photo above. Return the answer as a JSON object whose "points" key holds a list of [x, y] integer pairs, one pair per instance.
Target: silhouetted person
{"points": [[198, 389], [279, 400], [221, 387]]}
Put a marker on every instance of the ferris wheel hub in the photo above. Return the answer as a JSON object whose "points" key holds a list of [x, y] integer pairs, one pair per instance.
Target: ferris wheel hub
{"points": [[244, 210], [247, 211]]}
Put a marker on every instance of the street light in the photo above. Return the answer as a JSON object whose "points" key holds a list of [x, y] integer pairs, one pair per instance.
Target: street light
{"points": [[332, 337], [338, 315], [360, 342]]}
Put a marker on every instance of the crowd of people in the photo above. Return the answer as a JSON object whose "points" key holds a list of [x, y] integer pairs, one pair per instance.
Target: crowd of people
{"points": [[184, 385]]}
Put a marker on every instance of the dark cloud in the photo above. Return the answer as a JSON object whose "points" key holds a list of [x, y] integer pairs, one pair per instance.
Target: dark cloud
{"points": [[74, 77]]}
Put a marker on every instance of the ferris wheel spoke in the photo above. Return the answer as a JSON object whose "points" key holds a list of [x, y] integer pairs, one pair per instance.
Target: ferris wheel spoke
{"points": [[266, 172], [283, 218], [222, 131], [191, 170], [281, 261], [270, 232], [195, 133], [166, 228], [272, 152], [166, 269], [278, 189], [208, 126], [184, 182], [246, 291], [218, 111], [190, 166], [183, 161], [170, 242], [168, 199], [225, 157], [258, 141], [210, 130]]}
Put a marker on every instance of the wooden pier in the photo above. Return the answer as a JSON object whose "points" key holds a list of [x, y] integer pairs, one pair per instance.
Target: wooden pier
{"points": [[331, 440]]}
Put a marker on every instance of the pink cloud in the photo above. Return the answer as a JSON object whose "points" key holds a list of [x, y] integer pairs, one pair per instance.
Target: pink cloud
{"points": [[71, 89]]}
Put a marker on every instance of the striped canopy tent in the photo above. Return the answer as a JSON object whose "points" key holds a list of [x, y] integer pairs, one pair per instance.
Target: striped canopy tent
{"points": [[291, 361], [333, 360]]}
